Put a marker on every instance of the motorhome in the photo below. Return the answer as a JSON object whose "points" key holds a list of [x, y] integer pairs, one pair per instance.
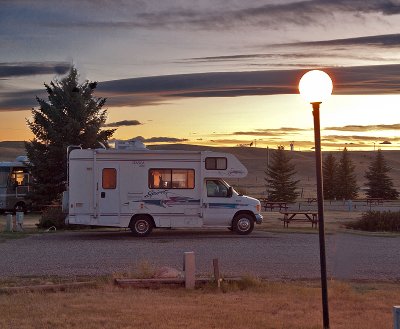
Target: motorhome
{"points": [[132, 186], [14, 185]]}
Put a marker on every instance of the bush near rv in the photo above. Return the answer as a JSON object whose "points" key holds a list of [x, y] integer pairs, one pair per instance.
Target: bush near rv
{"points": [[377, 221]]}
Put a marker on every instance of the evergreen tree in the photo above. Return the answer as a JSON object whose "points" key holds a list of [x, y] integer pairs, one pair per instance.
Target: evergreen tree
{"points": [[70, 116], [379, 183], [329, 169], [279, 180], [346, 178]]}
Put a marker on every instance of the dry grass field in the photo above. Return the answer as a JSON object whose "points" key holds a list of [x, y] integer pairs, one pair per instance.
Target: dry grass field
{"points": [[255, 160], [10, 150], [249, 305]]}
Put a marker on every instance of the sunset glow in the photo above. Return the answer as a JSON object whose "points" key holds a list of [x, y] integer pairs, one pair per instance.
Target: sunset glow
{"points": [[211, 73]]}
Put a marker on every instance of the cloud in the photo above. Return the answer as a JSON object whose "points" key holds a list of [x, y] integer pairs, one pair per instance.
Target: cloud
{"points": [[122, 123], [170, 15], [384, 40], [355, 80], [8, 70], [159, 139], [268, 132], [357, 138], [395, 126], [375, 79]]}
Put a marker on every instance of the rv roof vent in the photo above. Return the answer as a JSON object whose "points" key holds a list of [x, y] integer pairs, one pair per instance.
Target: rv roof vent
{"points": [[22, 158], [130, 145]]}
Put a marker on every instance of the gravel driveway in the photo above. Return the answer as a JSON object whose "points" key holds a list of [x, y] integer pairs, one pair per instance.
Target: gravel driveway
{"points": [[270, 255]]}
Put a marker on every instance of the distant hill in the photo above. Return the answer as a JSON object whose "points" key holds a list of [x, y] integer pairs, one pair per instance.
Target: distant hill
{"points": [[255, 160], [9, 150]]}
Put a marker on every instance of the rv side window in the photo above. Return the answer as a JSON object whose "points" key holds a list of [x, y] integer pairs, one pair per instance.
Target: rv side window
{"points": [[4, 174], [216, 189], [109, 178], [19, 177], [215, 163], [171, 178]]}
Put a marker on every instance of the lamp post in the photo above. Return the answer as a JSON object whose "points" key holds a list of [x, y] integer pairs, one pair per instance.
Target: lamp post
{"points": [[316, 86]]}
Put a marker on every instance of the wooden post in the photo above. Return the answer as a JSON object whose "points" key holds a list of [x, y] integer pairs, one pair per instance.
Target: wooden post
{"points": [[217, 276], [396, 317], [190, 270]]}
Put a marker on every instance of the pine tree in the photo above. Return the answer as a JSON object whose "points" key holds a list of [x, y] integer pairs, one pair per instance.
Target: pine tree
{"points": [[329, 168], [379, 183], [346, 178], [70, 116], [279, 180]]}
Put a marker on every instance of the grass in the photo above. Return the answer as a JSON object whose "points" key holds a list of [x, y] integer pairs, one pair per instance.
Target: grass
{"points": [[254, 305], [335, 221]]}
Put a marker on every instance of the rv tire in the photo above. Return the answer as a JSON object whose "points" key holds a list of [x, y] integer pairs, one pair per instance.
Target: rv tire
{"points": [[243, 223], [141, 226]]}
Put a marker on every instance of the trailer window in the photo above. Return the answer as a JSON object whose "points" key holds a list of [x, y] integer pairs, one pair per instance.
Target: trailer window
{"points": [[216, 163], [109, 178], [4, 173], [171, 178], [19, 177]]}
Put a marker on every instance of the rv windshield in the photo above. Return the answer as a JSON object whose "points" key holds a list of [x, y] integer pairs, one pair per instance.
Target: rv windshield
{"points": [[4, 173]]}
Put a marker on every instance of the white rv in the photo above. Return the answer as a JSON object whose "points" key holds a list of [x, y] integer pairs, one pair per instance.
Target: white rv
{"points": [[144, 189]]}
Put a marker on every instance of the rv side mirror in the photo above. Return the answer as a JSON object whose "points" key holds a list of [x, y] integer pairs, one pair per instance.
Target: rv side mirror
{"points": [[230, 191]]}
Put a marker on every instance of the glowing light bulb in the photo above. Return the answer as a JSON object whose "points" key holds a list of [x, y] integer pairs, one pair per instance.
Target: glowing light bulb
{"points": [[315, 86]]}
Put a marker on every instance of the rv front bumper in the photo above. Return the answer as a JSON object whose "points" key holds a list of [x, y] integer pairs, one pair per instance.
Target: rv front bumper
{"points": [[259, 218]]}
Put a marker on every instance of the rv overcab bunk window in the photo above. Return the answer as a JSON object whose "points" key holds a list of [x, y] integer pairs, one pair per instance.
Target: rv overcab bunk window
{"points": [[171, 178], [216, 163]]}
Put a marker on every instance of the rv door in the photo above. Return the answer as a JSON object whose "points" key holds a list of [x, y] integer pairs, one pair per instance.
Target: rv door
{"points": [[108, 191], [218, 206]]}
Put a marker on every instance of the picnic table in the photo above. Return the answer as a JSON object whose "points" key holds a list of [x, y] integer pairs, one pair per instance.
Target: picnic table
{"points": [[374, 201], [300, 216], [311, 200], [274, 205]]}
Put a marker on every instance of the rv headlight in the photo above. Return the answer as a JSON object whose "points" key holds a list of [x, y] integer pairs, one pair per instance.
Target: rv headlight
{"points": [[258, 207]]}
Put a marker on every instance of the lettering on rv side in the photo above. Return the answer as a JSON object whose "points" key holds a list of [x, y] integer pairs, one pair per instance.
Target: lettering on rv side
{"points": [[150, 194], [139, 164]]}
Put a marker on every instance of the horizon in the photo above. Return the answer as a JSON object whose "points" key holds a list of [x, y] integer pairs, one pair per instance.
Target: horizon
{"points": [[211, 73]]}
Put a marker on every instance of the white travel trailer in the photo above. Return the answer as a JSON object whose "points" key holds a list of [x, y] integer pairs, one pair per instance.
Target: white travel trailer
{"points": [[14, 185], [144, 189]]}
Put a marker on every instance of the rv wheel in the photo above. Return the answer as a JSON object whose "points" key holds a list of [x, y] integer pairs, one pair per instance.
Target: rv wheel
{"points": [[243, 224], [141, 226]]}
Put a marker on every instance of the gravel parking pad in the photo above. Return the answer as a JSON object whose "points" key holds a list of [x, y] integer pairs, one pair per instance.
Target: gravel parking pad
{"points": [[270, 255]]}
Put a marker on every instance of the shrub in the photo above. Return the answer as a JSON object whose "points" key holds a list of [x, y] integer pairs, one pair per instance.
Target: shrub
{"points": [[377, 221], [52, 216]]}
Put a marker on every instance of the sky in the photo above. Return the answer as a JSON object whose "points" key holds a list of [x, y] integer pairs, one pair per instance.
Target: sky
{"points": [[211, 72]]}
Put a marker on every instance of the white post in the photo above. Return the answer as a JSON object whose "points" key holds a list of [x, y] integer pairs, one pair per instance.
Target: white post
{"points": [[190, 269], [396, 317], [19, 219], [9, 223]]}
